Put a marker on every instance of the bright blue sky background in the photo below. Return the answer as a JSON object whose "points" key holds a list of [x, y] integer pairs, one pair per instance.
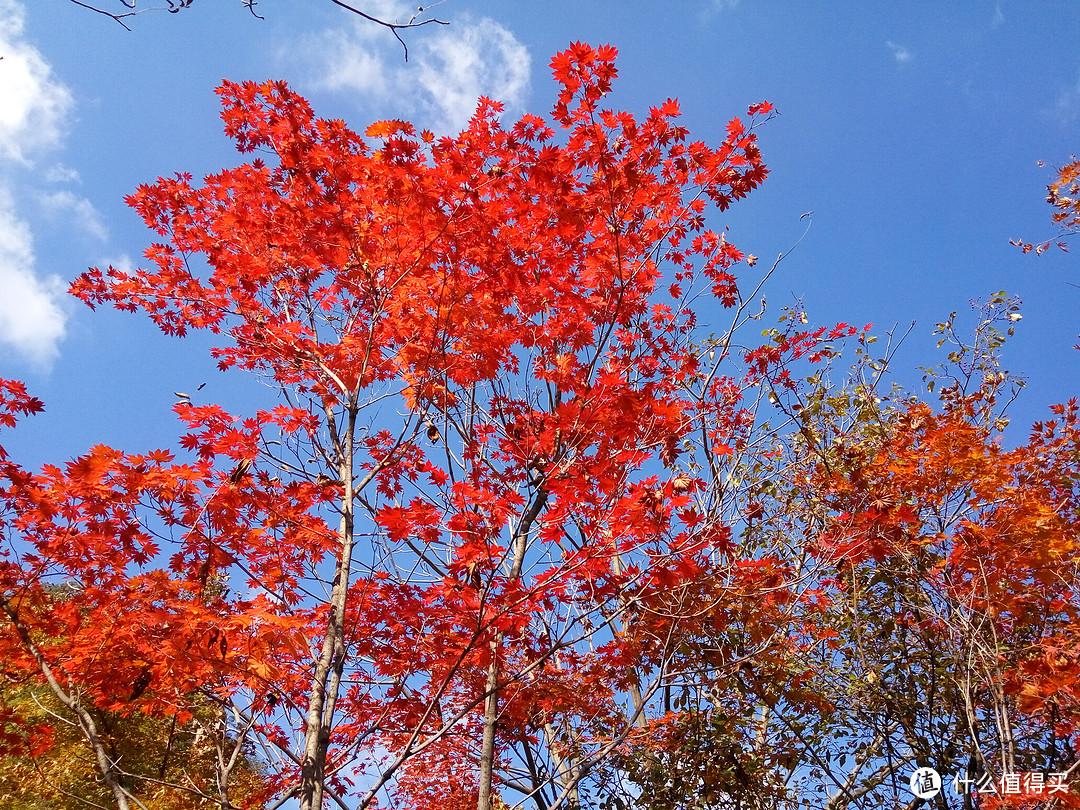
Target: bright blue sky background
{"points": [[912, 130]]}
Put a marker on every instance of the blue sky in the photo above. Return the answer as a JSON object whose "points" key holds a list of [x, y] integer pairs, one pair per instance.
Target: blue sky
{"points": [[912, 131]]}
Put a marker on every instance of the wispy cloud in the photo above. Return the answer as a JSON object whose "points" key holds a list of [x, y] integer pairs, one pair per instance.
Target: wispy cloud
{"points": [[34, 107], [710, 10], [59, 173], [1067, 107], [80, 209], [31, 316], [900, 52], [483, 59], [449, 68]]}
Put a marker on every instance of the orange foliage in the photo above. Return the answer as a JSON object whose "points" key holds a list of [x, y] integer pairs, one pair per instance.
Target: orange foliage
{"points": [[1064, 195]]}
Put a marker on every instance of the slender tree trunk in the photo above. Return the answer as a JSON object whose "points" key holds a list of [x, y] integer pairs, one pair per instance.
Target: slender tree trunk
{"points": [[637, 701], [567, 769], [491, 702], [491, 716], [327, 677], [86, 723]]}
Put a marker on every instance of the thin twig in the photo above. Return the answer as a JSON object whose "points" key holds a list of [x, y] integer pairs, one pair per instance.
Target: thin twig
{"points": [[117, 17], [250, 6], [394, 27]]}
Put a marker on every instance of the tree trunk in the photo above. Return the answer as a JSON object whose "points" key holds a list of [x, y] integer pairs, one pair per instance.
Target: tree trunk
{"points": [[491, 701], [85, 720], [491, 716], [327, 677]]}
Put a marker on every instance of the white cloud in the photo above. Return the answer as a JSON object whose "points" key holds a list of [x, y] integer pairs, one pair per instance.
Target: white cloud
{"points": [[900, 53], [711, 9], [1067, 107], [449, 67], [34, 110], [31, 316], [353, 65], [85, 215], [33, 104], [59, 173], [483, 59]]}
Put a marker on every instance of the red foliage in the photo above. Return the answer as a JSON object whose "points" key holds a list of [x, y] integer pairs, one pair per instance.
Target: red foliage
{"points": [[486, 460]]}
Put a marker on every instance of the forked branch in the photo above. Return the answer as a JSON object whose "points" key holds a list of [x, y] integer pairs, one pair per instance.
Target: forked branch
{"points": [[417, 20]]}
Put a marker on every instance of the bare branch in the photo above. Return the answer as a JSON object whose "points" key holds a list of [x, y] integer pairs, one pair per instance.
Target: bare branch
{"points": [[174, 6], [394, 27]]}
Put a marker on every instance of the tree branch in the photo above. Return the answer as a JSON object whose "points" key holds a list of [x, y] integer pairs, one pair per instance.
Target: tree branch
{"points": [[395, 27], [175, 5]]}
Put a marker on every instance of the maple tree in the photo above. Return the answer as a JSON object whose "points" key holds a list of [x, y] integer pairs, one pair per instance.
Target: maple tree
{"points": [[457, 555], [950, 635], [519, 531], [958, 560], [940, 535], [940, 618], [1064, 195], [45, 764]]}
